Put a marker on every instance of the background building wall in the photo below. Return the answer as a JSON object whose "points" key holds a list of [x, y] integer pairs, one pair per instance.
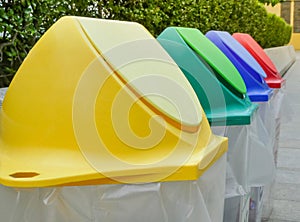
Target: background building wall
{"points": [[290, 12], [276, 9]]}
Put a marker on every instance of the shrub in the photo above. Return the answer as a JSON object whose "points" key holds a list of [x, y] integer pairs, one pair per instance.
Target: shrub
{"points": [[22, 22], [248, 16], [277, 31]]}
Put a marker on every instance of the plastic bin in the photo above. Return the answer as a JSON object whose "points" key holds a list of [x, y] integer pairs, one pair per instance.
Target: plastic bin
{"points": [[283, 57], [273, 108], [250, 158], [81, 139], [253, 75], [273, 79], [258, 91]]}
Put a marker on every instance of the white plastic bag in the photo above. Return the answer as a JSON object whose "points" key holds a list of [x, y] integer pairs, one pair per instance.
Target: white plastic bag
{"points": [[201, 200]]}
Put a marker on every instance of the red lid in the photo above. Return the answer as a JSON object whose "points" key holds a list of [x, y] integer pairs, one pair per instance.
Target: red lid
{"points": [[274, 82], [273, 78]]}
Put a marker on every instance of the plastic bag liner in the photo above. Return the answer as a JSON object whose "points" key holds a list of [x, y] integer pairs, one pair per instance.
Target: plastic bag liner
{"points": [[250, 159], [274, 112], [201, 200], [286, 111]]}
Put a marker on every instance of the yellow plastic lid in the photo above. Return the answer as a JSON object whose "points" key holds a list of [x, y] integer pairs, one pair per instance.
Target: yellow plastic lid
{"points": [[84, 108], [141, 61]]}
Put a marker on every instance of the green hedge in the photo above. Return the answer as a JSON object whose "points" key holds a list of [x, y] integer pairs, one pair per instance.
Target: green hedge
{"points": [[22, 22], [248, 16]]}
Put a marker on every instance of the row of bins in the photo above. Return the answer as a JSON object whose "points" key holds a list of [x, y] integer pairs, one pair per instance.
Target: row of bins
{"points": [[103, 122]]}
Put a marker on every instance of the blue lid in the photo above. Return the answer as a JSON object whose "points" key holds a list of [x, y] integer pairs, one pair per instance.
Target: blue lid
{"points": [[251, 72]]}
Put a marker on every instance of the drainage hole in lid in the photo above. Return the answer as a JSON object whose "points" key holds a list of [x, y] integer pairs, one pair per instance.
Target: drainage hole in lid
{"points": [[24, 174]]}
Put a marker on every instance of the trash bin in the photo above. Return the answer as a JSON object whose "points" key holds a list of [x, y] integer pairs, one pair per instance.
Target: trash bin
{"points": [[283, 57], [100, 124], [212, 76], [275, 81], [253, 75]]}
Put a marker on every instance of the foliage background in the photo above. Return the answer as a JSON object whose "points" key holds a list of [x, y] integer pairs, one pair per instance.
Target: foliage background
{"points": [[24, 21]]}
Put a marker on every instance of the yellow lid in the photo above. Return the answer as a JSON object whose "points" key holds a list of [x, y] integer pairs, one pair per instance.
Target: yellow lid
{"points": [[99, 101], [142, 62]]}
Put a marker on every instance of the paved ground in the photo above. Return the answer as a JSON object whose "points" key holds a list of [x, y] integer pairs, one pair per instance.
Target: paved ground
{"points": [[286, 190]]}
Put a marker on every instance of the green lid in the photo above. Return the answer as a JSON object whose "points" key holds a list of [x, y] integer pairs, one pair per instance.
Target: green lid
{"points": [[213, 56], [221, 105]]}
